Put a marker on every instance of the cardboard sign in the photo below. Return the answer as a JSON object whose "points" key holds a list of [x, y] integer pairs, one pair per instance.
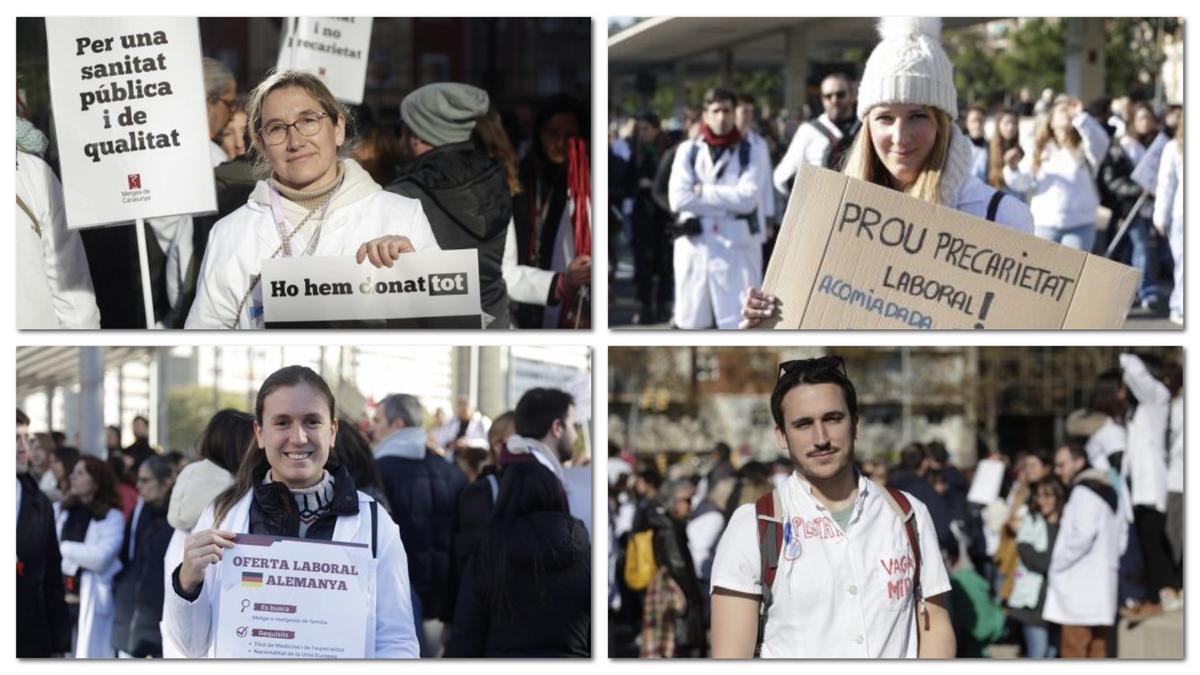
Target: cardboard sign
{"points": [[855, 255], [333, 49], [281, 597], [130, 118], [428, 289]]}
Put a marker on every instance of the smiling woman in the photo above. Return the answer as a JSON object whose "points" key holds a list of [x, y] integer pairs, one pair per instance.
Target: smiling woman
{"points": [[314, 203], [286, 486], [907, 103]]}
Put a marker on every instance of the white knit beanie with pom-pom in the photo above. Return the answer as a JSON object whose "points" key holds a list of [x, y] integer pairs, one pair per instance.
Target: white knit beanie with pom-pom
{"points": [[908, 66]]}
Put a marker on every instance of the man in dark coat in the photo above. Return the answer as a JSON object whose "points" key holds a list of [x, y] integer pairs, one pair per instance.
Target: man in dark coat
{"points": [[463, 191], [909, 476], [43, 625], [423, 490]]}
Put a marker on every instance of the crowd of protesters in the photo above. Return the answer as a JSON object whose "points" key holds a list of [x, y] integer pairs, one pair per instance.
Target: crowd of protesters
{"points": [[488, 555], [1069, 541], [1056, 162], [455, 172]]}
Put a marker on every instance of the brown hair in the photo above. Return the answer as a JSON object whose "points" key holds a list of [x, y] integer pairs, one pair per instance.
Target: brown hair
{"points": [[862, 162], [254, 463], [106, 496], [1045, 135], [997, 149], [490, 135]]}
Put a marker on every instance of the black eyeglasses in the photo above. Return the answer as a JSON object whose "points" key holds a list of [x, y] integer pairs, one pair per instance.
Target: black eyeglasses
{"points": [[808, 365], [835, 94]]}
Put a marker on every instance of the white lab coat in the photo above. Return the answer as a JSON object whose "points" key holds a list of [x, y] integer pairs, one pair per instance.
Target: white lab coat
{"points": [[714, 269], [1082, 580], [1168, 214], [1145, 461], [99, 556], [54, 285], [189, 624], [475, 436], [808, 146], [360, 212]]}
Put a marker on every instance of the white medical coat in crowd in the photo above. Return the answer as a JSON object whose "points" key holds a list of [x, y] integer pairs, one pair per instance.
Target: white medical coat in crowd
{"points": [[54, 284], [188, 625], [476, 432], [836, 594], [713, 269], [1145, 460], [98, 555], [1063, 192], [808, 146], [359, 212], [1082, 580], [1109, 438]]}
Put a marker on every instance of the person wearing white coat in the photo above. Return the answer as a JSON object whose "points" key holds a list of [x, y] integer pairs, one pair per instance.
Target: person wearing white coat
{"points": [[1060, 176], [813, 140], [90, 531], [1081, 593], [1144, 466], [907, 104], [54, 284], [285, 486], [1168, 215], [713, 189], [189, 624], [312, 205]]}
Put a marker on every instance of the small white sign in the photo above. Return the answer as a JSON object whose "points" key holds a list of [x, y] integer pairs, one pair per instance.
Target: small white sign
{"points": [[425, 285], [1145, 173], [332, 48], [129, 117], [985, 487], [294, 599]]}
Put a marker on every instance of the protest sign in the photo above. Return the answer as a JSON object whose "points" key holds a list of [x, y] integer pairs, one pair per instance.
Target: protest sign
{"points": [[855, 255], [291, 598], [1145, 173], [332, 48], [428, 289], [985, 486], [129, 117]]}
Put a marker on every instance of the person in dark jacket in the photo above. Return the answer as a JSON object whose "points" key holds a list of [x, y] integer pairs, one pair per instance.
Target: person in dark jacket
{"points": [[140, 449], [43, 624], [138, 587], [476, 500], [464, 192], [352, 450], [652, 243], [910, 477], [423, 490], [527, 591], [543, 214], [673, 617]]}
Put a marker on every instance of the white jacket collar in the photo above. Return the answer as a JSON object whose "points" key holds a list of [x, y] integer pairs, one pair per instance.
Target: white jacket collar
{"points": [[407, 443], [356, 185], [544, 454]]}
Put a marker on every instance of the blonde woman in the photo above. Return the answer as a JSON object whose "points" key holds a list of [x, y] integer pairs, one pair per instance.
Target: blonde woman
{"points": [[313, 203], [1060, 175], [909, 142]]}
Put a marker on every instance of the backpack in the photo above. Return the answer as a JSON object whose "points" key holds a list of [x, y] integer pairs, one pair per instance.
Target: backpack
{"points": [[838, 147], [770, 543], [640, 565]]}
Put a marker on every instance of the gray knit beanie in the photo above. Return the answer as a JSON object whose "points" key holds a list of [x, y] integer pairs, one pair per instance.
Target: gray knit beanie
{"points": [[908, 66], [443, 112]]}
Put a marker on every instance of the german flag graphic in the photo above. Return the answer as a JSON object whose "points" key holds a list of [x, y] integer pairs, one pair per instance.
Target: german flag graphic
{"points": [[252, 579]]}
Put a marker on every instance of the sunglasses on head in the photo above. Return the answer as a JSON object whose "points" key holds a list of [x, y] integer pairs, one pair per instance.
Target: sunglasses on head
{"points": [[809, 365]]}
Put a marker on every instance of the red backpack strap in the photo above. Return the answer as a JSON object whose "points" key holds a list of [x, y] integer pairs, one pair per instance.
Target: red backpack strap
{"points": [[770, 543], [904, 510]]}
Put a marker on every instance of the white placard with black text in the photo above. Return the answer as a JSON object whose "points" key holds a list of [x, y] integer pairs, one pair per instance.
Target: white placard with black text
{"points": [[130, 117], [332, 48]]}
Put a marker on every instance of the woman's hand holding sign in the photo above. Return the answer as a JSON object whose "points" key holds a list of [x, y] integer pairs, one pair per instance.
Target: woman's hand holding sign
{"points": [[758, 307], [383, 251], [200, 550]]}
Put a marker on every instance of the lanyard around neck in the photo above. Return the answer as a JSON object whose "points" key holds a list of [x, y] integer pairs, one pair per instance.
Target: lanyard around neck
{"points": [[285, 236]]}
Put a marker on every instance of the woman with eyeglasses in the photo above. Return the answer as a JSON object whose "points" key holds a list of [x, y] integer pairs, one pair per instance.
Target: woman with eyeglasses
{"points": [[314, 203], [909, 142]]}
